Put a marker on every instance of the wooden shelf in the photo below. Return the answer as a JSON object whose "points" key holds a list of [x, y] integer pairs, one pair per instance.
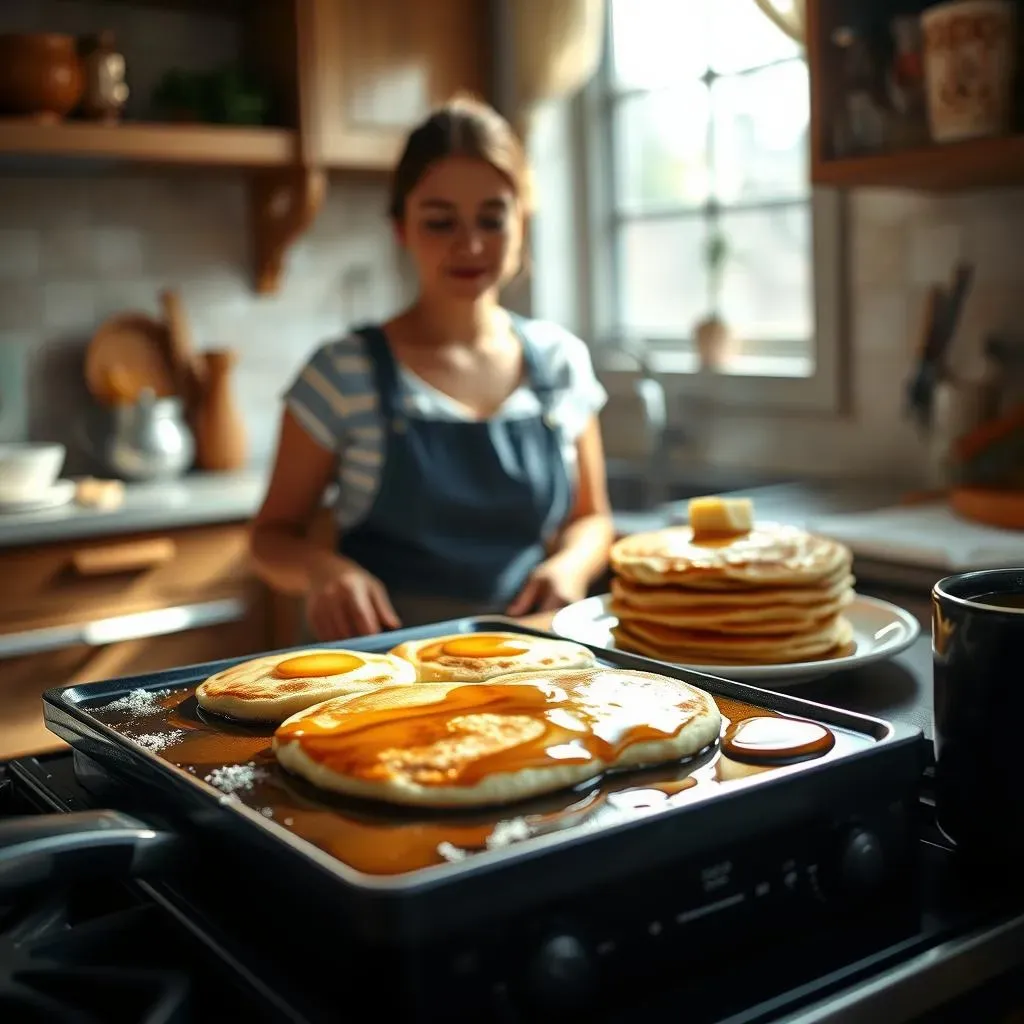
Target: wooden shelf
{"points": [[979, 163], [197, 145]]}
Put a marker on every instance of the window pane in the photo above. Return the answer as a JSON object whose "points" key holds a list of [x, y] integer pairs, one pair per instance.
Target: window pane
{"points": [[657, 42], [661, 155], [766, 281], [760, 134], [663, 279], [743, 37]]}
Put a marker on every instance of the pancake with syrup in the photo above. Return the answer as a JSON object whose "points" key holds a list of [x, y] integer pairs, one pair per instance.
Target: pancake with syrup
{"points": [[476, 744], [727, 590], [276, 686], [474, 657]]}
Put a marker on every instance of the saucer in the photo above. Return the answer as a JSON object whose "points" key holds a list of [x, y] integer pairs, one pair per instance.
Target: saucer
{"points": [[60, 493]]}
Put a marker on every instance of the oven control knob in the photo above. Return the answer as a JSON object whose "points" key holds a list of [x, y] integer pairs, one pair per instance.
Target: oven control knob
{"points": [[862, 862], [561, 973]]}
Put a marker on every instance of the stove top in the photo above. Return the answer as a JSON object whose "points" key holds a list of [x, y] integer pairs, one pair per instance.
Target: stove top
{"points": [[114, 952], [109, 952]]}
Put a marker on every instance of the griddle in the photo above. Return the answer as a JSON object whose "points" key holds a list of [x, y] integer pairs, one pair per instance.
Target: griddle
{"points": [[614, 873]]}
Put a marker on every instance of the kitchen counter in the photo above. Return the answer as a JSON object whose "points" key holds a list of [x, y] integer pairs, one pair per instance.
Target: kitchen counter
{"points": [[194, 500], [207, 498]]}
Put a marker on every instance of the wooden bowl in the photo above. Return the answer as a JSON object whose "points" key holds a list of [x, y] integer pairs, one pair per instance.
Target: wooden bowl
{"points": [[1004, 509], [41, 75]]}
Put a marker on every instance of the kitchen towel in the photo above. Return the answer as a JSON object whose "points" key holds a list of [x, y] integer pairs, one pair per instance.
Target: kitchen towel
{"points": [[931, 536]]}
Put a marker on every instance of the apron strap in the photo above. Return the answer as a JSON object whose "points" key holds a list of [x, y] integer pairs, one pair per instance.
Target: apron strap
{"points": [[385, 370], [541, 380]]}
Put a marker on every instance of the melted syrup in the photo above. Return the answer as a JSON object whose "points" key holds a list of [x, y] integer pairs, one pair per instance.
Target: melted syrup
{"points": [[776, 740], [480, 729], [480, 645], [383, 840], [318, 666]]}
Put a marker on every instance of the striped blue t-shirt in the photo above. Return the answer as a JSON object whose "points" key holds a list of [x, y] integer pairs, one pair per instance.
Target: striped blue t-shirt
{"points": [[335, 398]]}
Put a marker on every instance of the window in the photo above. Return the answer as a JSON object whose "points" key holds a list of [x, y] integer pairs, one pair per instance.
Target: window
{"points": [[698, 126]]}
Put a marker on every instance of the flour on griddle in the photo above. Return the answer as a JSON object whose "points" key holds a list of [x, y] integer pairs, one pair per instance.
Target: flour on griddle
{"points": [[233, 777]]}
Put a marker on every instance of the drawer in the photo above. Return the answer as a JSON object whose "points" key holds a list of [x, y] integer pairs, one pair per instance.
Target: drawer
{"points": [[71, 581], [186, 635]]}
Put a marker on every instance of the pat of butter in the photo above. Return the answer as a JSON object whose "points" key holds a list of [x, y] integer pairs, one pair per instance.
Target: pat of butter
{"points": [[721, 515]]}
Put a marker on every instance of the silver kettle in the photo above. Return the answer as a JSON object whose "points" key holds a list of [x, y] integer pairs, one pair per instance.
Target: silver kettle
{"points": [[147, 440]]}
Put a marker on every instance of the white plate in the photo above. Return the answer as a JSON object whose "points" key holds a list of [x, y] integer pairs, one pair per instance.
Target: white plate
{"points": [[880, 631], [59, 494]]}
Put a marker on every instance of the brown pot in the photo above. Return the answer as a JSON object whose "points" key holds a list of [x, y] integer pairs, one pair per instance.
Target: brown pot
{"points": [[41, 75]]}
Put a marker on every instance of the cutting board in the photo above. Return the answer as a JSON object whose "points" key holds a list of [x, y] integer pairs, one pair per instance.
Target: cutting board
{"points": [[930, 536]]}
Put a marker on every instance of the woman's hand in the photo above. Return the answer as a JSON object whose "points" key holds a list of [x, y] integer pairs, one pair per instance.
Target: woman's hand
{"points": [[346, 601], [552, 585]]}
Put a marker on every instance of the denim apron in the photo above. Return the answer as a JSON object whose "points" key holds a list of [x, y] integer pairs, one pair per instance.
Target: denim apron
{"points": [[465, 509]]}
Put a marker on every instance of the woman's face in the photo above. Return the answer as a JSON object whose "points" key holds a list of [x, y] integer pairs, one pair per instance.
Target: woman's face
{"points": [[463, 228]]}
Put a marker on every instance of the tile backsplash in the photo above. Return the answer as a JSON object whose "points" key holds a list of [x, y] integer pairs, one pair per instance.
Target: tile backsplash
{"points": [[74, 251], [77, 249]]}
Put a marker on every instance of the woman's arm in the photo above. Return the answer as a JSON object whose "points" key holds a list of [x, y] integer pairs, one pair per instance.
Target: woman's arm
{"points": [[588, 534], [582, 549], [285, 559]]}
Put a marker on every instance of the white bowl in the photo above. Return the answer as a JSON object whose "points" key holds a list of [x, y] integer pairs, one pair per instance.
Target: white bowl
{"points": [[29, 469]]}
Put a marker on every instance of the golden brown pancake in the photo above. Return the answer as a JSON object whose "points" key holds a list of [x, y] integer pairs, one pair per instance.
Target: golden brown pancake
{"points": [[827, 639], [771, 554], [271, 688], [473, 657], [460, 744], [735, 596], [746, 620], [765, 593]]}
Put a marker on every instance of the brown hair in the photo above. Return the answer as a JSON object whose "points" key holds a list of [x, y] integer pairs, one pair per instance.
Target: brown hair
{"points": [[464, 126]]}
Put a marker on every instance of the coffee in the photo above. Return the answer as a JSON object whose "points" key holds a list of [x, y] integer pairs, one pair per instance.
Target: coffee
{"points": [[1001, 600]]}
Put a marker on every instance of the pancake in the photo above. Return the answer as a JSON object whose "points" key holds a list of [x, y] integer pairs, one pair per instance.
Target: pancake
{"points": [[747, 620], [731, 592], [735, 596], [770, 554], [456, 744], [271, 688], [829, 638], [474, 657]]}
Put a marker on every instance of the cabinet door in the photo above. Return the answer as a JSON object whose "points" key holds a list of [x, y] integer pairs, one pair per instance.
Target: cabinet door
{"points": [[379, 67], [168, 638]]}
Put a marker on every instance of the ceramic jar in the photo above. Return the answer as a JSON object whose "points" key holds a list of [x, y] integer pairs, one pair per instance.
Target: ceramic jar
{"points": [[969, 64]]}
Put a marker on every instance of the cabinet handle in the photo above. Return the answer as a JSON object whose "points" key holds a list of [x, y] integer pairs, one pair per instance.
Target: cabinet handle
{"points": [[131, 557], [119, 628]]}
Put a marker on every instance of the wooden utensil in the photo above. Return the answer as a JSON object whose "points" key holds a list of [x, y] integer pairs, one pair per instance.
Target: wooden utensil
{"points": [[127, 354], [186, 363]]}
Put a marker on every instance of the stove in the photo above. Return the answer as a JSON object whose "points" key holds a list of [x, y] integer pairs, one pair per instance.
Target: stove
{"points": [[172, 950]]}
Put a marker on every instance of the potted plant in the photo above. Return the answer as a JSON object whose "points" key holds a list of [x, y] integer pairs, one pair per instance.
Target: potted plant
{"points": [[716, 343]]}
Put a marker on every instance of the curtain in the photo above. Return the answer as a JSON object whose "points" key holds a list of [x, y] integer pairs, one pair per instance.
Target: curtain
{"points": [[787, 14]]}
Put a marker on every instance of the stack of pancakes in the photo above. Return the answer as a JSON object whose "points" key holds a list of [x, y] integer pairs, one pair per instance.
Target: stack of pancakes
{"points": [[773, 594]]}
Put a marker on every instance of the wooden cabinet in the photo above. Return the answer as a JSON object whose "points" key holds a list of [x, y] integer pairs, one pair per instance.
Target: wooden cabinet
{"points": [[346, 81], [378, 68], [114, 607], [976, 163]]}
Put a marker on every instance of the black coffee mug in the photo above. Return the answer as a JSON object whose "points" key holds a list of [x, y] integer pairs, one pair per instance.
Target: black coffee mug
{"points": [[978, 653]]}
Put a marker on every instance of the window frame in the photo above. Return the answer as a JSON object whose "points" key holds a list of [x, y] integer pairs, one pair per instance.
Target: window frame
{"points": [[757, 382]]}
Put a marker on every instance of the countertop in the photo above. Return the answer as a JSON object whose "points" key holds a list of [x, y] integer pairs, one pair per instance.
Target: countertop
{"points": [[201, 498], [194, 500]]}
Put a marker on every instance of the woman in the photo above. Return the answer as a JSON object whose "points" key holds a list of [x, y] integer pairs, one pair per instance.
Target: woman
{"points": [[464, 440]]}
